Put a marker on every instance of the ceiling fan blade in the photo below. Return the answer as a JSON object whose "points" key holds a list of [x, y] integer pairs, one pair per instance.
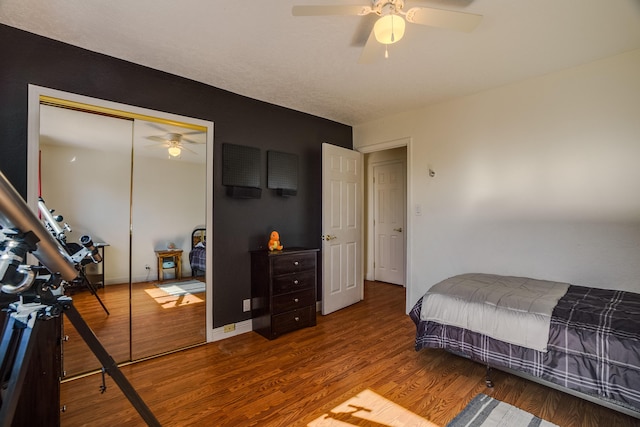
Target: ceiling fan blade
{"points": [[182, 147], [449, 19], [330, 10], [157, 138], [157, 126], [372, 51], [191, 141], [365, 24]]}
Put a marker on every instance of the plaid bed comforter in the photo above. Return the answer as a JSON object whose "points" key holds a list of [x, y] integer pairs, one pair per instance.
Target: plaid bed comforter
{"points": [[198, 258], [594, 345]]}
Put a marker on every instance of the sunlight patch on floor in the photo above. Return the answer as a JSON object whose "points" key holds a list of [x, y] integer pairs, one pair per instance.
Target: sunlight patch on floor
{"points": [[371, 410], [170, 301]]}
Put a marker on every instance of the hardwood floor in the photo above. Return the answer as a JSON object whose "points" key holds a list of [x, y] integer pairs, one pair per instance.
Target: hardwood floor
{"points": [[300, 377], [159, 323]]}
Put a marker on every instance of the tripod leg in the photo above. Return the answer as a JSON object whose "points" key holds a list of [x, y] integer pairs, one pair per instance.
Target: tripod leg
{"points": [[93, 290], [108, 363], [19, 356], [7, 335]]}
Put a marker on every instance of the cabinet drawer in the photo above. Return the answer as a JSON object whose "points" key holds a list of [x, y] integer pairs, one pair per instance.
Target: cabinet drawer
{"points": [[294, 282], [292, 301], [292, 320], [293, 263]]}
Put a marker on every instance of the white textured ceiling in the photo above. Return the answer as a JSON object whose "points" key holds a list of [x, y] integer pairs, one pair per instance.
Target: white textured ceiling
{"points": [[258, 49]]}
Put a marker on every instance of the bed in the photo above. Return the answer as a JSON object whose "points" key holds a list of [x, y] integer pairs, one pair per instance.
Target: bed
{"points": [[590, 344], [198, 253]]}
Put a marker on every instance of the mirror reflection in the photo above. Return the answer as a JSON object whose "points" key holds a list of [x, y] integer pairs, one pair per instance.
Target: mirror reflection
{"points": [[168, 204], [138, 188]]}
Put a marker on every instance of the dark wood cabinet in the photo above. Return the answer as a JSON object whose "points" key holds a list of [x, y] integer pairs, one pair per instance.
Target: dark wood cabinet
{"points": [[283, 290], [38, 403]]}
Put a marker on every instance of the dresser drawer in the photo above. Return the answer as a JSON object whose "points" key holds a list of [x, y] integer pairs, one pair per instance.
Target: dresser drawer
{"points": [[294, 300], [292, 320], [294, 282], [294, 263]]}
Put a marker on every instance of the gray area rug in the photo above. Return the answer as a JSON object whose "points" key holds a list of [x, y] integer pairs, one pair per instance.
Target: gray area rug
{"points": [[485, 411]]}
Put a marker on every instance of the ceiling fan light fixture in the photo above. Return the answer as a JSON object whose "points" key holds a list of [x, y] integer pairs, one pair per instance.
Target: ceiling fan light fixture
{"points": [[389, 29], [174, 151]]}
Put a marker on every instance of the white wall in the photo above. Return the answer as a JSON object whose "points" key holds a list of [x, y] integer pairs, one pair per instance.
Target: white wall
{"points": [[539, 178], [90, 189]]}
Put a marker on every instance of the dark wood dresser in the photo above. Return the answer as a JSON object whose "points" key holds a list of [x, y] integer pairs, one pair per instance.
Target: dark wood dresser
{"points": [[283, 290]]}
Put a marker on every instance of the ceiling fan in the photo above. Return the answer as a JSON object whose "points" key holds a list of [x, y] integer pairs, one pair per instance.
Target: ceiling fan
{"points": [[389, 28], [174, 143]]}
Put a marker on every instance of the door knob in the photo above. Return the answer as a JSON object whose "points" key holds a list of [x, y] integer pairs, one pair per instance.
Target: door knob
{"points": [[399, 230], [328, 237]]}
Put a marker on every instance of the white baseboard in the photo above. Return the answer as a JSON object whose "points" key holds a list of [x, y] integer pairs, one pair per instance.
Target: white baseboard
{"points": [[239, 328]]}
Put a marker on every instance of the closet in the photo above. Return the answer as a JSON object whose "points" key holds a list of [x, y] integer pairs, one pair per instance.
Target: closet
{"points": [[138, 184]]}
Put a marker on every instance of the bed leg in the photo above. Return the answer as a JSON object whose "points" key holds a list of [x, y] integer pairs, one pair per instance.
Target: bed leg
{"points": [[487, 378]]}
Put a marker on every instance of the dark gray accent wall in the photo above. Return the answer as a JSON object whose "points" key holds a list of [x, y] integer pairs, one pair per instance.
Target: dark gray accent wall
{"points": [[240, 225]]}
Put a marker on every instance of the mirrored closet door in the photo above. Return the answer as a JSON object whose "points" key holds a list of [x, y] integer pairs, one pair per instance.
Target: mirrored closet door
{"points": [[167, 207], [138, 186], [85, 177]]}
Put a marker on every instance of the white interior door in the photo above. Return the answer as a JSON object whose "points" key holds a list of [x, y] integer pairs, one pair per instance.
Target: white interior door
{"points": [[389, 222], [342, 180]]}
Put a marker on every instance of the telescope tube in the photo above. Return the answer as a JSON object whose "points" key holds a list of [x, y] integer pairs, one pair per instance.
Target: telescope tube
{"points": [[14, 213]]}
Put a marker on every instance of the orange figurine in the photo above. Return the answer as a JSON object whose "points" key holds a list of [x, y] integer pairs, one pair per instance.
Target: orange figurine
{"points": [[274, 241]]}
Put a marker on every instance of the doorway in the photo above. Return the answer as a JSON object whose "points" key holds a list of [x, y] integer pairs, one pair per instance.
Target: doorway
{"points": [[394, 153], [380, 156]]}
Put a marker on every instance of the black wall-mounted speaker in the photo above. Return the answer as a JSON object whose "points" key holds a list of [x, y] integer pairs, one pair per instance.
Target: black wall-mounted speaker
{"points": [[240, 166], [282, 173]]}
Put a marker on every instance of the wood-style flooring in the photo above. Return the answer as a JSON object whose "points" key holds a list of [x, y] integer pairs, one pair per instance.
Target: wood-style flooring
{"points": [[300, 377], [159, 323]]}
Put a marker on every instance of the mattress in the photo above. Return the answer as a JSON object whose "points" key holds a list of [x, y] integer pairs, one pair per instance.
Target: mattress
{"points": [[593, 345]]}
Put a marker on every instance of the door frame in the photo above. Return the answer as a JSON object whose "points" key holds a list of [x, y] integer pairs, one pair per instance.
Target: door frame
{"points": [[381, 146]]}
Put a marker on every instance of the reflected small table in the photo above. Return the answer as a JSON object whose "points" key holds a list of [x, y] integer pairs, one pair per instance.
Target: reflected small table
{"points": [[170, 255]]}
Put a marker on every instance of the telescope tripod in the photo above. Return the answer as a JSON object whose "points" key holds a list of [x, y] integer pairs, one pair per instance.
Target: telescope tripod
{"points": [[84, 281], [18, 345]]}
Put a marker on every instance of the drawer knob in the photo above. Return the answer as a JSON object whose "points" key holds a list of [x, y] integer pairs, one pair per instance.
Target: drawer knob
{"points": [[296, 318], [295, 282], [296, 300], [296, 263]]}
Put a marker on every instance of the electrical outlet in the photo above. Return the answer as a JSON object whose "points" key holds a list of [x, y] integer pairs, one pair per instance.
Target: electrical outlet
{"points": [[146, 267], [230, 328], [246, 305]]}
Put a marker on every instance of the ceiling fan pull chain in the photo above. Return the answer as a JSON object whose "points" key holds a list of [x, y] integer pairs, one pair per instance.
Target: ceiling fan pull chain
{"points": [[393, 37]]}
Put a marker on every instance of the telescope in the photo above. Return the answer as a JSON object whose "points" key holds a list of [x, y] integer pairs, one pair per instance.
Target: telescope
{"points": [[52, 221], [17, 220], [21, 233]]}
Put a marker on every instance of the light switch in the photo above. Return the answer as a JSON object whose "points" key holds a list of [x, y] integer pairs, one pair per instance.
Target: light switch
{"points": [[418, 210]]}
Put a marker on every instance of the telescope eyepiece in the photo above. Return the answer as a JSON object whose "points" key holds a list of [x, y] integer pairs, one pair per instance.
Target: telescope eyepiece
{"points": [[87, 242]]}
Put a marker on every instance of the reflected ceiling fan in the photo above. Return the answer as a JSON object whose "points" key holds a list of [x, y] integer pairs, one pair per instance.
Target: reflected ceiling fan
{"points": [[174, 143], [389, 28]]}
